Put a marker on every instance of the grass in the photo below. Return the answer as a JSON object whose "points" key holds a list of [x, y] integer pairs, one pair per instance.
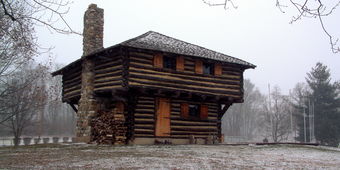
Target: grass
{"points": [[81, 156]]}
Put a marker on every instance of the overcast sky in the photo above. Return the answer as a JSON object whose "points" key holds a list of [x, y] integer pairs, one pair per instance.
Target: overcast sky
{"points": [[256, 32]]}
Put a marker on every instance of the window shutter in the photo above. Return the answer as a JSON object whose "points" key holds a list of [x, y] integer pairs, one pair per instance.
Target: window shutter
{"points": [[158, 60], [204, 111], [218, 69], [179, 64], [184, 109], [199, 66]]}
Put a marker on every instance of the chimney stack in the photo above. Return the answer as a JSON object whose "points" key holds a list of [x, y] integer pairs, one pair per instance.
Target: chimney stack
{"points": [[92, 40], [93, 29]]}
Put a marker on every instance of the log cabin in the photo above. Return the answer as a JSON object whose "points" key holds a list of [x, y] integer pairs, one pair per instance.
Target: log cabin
{"points": [[163, 90]]}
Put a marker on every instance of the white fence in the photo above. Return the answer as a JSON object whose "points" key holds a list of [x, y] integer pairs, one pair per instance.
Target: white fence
{"points": [[8, 141], [235, 139]]}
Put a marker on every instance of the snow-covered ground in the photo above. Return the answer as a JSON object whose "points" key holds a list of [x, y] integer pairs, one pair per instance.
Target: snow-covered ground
{"points": [[81, 156]]}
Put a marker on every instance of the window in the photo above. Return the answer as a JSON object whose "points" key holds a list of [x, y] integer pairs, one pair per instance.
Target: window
{"points": [[162, 61], [208, 68], [194, 110], [169, 62]]}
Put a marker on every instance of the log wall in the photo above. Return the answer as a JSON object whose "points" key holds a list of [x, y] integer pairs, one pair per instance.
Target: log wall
{"points": [[144, 122], [142, 73], [72, 84], [108, 73], [181, 127], [108, 76]]}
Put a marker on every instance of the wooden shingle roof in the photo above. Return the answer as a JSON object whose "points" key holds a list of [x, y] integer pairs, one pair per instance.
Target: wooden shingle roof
{"points": [[158, 42]]}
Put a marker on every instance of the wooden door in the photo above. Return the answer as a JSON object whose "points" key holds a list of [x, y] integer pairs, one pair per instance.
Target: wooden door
{"points": [[162, 117]]}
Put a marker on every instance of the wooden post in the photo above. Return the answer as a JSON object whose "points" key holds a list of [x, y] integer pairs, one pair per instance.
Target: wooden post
{"points": [[222, 138], [191, 139]]}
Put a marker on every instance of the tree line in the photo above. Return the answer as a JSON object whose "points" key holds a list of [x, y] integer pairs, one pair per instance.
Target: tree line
{"points": [[311, 113], [30, 101]]}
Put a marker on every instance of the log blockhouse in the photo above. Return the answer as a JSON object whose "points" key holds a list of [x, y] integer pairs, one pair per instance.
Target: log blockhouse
{"points": [[167, 89]]}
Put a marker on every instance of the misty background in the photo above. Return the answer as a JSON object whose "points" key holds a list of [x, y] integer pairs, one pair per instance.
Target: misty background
{"points": [[257, 32]]}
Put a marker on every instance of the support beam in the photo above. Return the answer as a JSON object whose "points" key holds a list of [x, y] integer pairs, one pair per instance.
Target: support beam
{"points": [[73, 107], [225, 108]]}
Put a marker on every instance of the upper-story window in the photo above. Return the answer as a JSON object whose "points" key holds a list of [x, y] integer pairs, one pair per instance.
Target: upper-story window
{"points": [[194, 110], [169, 62], [208, 68]]}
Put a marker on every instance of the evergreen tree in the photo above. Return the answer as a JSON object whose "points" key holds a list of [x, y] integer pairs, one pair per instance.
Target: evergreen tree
{"points": [[326, 105]]}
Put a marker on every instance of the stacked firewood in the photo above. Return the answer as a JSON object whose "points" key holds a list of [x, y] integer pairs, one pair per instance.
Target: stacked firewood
{"points": [[108, 128]]}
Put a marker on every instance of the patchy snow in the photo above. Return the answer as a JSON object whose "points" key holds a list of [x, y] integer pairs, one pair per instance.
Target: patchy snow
{"points": [[54, 156]]}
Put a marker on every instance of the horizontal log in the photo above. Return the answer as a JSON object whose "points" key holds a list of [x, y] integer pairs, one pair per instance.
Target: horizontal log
{"points": [[143, 132], [195, 119], [73, 93], [186, 82], [225, 72], [109, 74], [73, 71], [114, 61], [186, 136], [144, 111], [152, 127], [72, 77], [151, 122], [144, 117], [135, 60], [173, 123], [144, 98], [146, 102], [119, 83], [191, 76], [138, 54], [76, 79], [196, 134], [144, 136], [67, 85], [108, 88], [165, 87], [109, 70], [193, 129], [67, 90], [145, 107]]}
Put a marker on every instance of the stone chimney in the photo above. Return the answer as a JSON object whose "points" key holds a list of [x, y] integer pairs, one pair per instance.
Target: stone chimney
{"points": [[92, 40], [93, 29]]}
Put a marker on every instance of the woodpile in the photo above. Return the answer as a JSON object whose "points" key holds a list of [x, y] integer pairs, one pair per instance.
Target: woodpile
{"points": [[108, 128]]}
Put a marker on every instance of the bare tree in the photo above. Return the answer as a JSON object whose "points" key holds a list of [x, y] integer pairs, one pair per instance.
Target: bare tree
{"points": [[58, 118], [306, 9], [18, 42], [21, 101], [243, 118], [276, 116]]}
